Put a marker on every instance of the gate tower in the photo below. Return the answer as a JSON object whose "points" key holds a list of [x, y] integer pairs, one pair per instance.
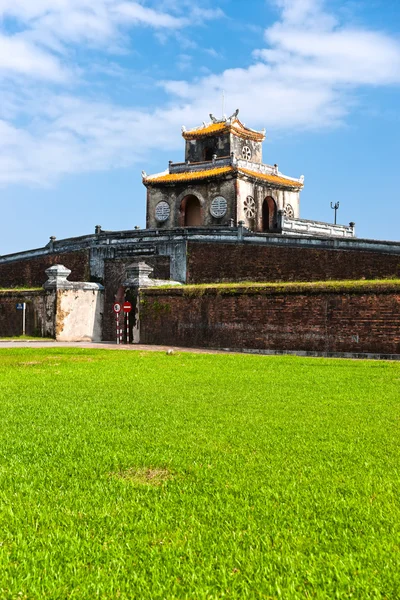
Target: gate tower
{"points": [[223, 181]]}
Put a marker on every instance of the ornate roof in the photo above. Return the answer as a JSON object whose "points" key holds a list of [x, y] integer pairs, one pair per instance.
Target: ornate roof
{"points": [[167, 177], [231, 125], [277, 179], [207, 173]]}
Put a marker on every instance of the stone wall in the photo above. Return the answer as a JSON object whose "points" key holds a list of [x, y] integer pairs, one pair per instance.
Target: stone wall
{"points": [[330, 319], [281, 197], [195, 150], [205, 192], [79, 315], [38, 306], [218, 253], [64, 310], [209, 263], [30, 271], [237, 144]]}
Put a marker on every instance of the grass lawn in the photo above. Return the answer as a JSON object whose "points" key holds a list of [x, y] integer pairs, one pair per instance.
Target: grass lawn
{"points": [[144, 476]]}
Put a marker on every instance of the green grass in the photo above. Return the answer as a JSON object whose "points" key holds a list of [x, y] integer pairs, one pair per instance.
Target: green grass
{"points": [[141, 475], [347, 285], [20, 289]]}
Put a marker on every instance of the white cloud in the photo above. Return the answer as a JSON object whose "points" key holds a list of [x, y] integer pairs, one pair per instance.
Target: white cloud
{"points": [[46, 27], [21, 57], [306, 77], [136, 13], [339, 55], [307, 13]]}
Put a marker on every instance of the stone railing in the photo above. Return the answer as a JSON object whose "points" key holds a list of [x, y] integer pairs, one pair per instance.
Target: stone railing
{"points": [[227, 161], [313, 228], [184, 167]]}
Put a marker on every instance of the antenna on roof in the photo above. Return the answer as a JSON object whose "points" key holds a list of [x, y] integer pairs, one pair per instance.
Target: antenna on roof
{"points": [[223, 103]]}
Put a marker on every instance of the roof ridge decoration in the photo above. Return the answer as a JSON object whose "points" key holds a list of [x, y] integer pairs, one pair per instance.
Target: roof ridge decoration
{"points": [[225, 125]]}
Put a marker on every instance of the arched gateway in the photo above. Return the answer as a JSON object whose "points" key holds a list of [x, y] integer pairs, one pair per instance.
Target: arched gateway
{"points": [[269, 214], [191, 211]]}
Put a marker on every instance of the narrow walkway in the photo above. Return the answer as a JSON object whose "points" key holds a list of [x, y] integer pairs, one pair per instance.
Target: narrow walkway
{"points": [[101, 346]]}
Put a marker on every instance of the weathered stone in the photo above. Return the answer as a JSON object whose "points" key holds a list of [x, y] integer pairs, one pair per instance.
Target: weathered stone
{"points": [[307, 319], [138, 275], [138, 278], [57, 278]]}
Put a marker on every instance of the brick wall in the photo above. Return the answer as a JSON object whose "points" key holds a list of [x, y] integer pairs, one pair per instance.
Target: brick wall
{"points": [[114, 275], [11, 318], [208, 263], [324, 320], [31, 271]]}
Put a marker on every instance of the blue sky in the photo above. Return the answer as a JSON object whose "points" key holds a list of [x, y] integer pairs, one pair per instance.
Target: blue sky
{"points": [[92, 92]]}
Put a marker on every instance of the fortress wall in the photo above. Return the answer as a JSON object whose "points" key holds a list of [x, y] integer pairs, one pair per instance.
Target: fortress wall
{"points": [[352, 320], [30, 271], [207, 263], [73, 314]]}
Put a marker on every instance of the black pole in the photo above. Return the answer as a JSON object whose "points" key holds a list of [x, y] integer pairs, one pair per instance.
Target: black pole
{"points": [[335, 207]]}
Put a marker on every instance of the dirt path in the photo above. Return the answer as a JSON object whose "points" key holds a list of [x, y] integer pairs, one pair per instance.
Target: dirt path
{"points": [[101, 346]]}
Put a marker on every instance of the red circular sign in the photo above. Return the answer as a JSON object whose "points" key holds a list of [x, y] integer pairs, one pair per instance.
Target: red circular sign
{"points": [[127, 306], [117, 308]]}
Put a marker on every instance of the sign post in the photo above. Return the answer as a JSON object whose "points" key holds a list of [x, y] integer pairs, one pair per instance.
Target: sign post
{"points": [[127, 306], [117, 310], [22, 306]]}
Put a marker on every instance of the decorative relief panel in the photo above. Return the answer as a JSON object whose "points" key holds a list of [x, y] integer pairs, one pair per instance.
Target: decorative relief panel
{"points": [[218, 207], [289, 212], [162, 211], [249, 207], [246, 153]]}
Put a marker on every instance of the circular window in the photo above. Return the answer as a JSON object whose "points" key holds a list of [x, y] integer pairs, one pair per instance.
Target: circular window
{"points": [[250, 207], [289, 212], [246, 153], [162, 211], [218, 207]]}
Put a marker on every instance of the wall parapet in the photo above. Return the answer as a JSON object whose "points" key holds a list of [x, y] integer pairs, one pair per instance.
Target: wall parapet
{"points": [[188, 167], [313, 228], [112, 241]]}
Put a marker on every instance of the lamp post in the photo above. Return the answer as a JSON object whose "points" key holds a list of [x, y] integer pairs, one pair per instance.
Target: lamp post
{"points": [[335, 208]]}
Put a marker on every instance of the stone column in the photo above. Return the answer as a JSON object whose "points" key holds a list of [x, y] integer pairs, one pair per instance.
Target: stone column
{"points": [[57, 278], [240, 230], [280, 223]]}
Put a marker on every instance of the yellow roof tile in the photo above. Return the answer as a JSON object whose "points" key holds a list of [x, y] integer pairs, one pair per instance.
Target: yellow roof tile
{"points": [[206, 173], [189, 175], [272, 178], [235, 127]]}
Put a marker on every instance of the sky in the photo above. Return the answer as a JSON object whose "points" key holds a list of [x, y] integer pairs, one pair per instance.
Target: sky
{"points": [[92, 93]]}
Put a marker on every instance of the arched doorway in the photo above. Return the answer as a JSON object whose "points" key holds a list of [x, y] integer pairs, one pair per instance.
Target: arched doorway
{"points": [[191, 211], [269, 214]]}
